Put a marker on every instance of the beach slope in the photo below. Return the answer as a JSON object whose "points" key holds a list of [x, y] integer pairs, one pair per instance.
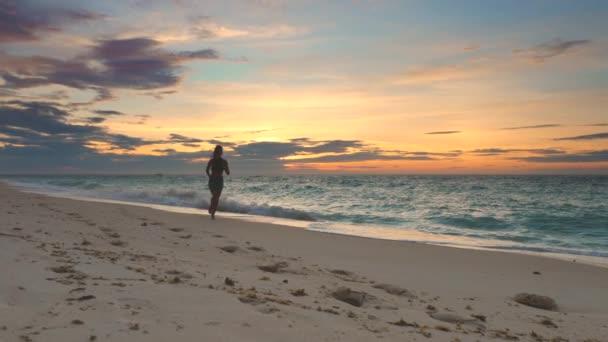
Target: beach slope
{"points": [[86, 271]]}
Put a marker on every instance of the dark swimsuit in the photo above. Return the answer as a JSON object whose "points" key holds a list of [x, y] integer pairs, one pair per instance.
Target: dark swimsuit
{"points": [[216, 180]]}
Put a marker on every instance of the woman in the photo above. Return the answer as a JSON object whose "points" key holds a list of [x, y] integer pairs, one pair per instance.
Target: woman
{"points": [[215, 169]]}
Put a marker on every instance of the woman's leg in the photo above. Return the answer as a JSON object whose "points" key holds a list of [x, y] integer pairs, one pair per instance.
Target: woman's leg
{"points": [[215, 200]]}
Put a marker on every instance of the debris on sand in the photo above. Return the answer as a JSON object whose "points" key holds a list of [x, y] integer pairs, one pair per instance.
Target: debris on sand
{"points": [[546, 321], [251, 298], [346, 295], [118, 243], [298, 292], [395, 290], [82, 298], [77, 322], [229, 249], [274, 268], [402, 323], [346, 275], [229, 282], [449, 317], [480, 317], [63, 269], [536, 301]]}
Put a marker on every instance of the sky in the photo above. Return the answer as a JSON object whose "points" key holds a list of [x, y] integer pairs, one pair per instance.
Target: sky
{"points": [[304, 86]]}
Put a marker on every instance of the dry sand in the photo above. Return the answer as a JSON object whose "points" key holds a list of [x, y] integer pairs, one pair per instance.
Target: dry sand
{"points": [[85, 271]]}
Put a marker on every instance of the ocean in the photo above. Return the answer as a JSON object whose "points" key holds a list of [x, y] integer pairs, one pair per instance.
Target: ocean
{"points": [[546, 214]]}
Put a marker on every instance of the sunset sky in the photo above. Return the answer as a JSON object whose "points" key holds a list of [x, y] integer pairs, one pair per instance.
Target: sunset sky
{"points": [[304, 86]]}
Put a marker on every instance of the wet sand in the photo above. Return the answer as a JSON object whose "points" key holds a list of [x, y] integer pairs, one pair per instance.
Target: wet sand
{"points": [[85, 271]]}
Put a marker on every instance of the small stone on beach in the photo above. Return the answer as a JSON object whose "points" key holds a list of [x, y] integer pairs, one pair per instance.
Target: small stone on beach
{"points": [[274, 268], [395, 290], [298, 292], [229, 249], [354, 298], [536, 301]]}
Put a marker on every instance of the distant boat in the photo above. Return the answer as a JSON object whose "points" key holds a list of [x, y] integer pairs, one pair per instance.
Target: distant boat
{"points": [[158, 174]]}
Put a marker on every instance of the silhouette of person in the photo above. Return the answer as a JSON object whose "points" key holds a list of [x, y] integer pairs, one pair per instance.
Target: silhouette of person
{"points": [[215, 170]]}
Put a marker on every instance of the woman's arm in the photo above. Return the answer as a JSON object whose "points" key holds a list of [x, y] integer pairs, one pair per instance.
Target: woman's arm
{"points": [[207, 169], [227, 168]]}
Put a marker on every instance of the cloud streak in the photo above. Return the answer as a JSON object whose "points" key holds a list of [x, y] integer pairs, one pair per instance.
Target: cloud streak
{"points": [[500, 151], [586, 137], [542, 52], [443, 132], [532, 127], [583, 157]]}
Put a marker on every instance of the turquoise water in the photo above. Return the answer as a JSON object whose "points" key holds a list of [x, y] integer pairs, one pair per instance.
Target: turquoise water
{"points": [[562, 214]]}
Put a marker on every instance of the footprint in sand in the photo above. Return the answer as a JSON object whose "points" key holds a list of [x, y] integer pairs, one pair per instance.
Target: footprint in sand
{"points": [[346, 275], [274, 268], [118, 243], [449, 317], [230, 249], [354, 298], [395, 290]]}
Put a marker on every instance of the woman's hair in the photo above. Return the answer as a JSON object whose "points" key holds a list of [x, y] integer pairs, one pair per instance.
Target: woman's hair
{"points": [[217, 152]]}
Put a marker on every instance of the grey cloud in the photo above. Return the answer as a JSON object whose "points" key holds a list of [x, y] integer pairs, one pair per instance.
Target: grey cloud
{"points": [[167, 150], [46, 126], [136, 63], [274, 150], [360, 156], [108, 112], [586, 137], [443, 132], [544, 51], [340, 149], [261, 131], [222, 143], [23, 20], [182, 139], [96, 119], [531, 127], [266, 150], [598, 125], [452, 154], [498, 151], [142, 119], [583, 157], [190, 145], [335, 146], [159, 95]]}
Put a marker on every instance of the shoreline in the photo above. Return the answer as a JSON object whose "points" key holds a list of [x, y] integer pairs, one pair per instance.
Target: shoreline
{"points": [[381, 233], [82, 270]]}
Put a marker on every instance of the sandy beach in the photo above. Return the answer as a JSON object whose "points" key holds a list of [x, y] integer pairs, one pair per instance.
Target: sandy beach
{"points": [[85, 271]]}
